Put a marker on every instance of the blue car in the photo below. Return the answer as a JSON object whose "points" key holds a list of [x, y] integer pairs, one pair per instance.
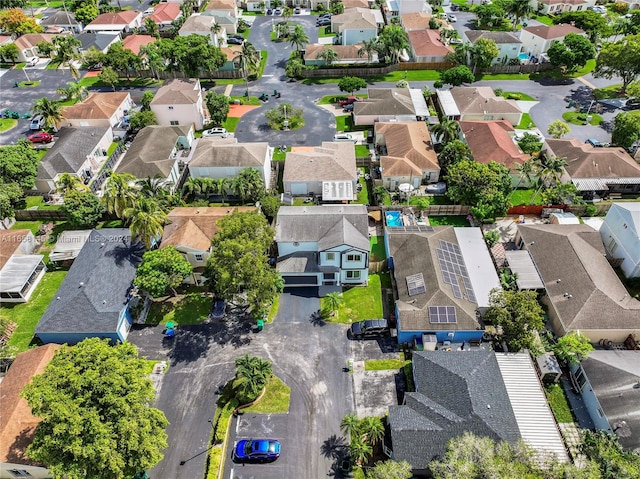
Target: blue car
{"points": [[257, 450]]}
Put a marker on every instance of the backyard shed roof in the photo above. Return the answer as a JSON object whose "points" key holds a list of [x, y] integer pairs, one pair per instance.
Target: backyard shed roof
{"points": [[17, 271], [69, 244], [522, 265]]}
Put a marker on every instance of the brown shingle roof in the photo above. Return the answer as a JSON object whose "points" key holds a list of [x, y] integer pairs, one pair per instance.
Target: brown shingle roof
{"points": [[116, 18], [32, 39], [386, 101], [17, 424], [490, 141], [586, 161], [553, 31], [165, 12], [195, 227], [575, 255], [345, 52], [10, 241], [409, 148], [134, 42], [329, 162], [415, 20], [212, 152], [221, 5], [97, 106], [498, 37], [177, 92], [355, 4], [482, 99], [427, 43]]}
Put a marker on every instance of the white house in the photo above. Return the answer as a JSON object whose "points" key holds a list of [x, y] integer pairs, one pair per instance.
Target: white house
{"points": [[394, 8], [559, 6], [20, 269], [509, 45], [537, 39], [323, 246], [124, 21], [198, 24], [99, 109], [28, 45], [621, 236], [225, 13], [180, 102], [357, 25]]}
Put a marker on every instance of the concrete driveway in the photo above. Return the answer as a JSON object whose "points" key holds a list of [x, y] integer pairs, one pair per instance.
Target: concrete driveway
{"points": [[298, 305]]}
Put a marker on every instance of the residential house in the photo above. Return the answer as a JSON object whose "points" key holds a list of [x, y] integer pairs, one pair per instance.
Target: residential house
{"points": [[397, 8], [180, 102], [608, 382], [444, 276], [390, 104], [225, 13], [426, 46], [346, 4], [190, 231], [477, 104], [68, 246], [120, 22], [556, 7], [20, 269], [78, 151], [95, 297], [100, 41], [225, 158], [494, 395], [357, 25], [583, 292], [165, 14], [323, 246], [17, 423], [416, 21], [593, 170], [197, 4], [493, 141], [620, 234], [28, 44], [406, 154], [633, 4], [159, 151], [231, 52], [99, 109], [347, 55], [133, 43], [537, 39], [328, 171], [508, 43], [62, 19], [198, 24]]}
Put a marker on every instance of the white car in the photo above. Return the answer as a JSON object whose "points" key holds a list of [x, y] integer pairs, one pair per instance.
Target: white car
{"points": [[149, 11], [215, 133], [32, 62], [344, 137], [451, 17]]}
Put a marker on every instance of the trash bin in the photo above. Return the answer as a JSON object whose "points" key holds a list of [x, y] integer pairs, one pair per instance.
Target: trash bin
{"points": [[260, 324]]}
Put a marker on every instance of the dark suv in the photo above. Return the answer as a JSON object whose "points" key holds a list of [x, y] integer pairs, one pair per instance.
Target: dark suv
{"points": [[370, 328]]}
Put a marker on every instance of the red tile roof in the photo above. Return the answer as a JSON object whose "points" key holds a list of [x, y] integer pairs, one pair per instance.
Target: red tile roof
{"points": [[116, 18], [490, 141], [165, 12], [426, 43], [554, 31], [134, 42]]}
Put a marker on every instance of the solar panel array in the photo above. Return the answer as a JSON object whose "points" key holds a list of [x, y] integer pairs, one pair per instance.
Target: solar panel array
{"points": [[410, 229], [442, 314], [452, 266], [415, 284]]}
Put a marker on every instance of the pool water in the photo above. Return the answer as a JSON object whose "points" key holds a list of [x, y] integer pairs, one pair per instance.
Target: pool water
{"points": [[523, 56], [394, 218]]}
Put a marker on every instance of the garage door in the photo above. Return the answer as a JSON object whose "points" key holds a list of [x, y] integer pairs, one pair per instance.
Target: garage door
{"points": [[300, 280], [298, 189]]}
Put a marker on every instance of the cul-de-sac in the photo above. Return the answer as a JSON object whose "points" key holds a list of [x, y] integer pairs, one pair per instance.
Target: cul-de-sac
{"points": [[300, 239]]}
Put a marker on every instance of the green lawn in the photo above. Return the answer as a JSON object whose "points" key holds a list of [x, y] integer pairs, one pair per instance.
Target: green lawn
{"points": [[503, 76], [450, 220], [273, 311], [252, 100], [231, 123], [588, 68], [363, 195], [190, 308], [612, 91], [123, 82], [275, 400], [429, 200], [341, 123], [324, 32], [27, 315], [378, 252], [52, 66], [384, 364], [526, 122], [38, 202], [523, 197], [29, 84], [362, 151], [516, 95], [7, 124], [544, 19], [112, 148], [559, 404], [576, 118], [34, 226], [360, 302]]}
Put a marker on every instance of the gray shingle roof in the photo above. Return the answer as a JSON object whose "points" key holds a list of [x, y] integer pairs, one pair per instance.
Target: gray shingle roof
{"points": [[99, 40], [332, 161], [386, 101], [60, 18], [70, 150], [94, 291], [455, 392], [498, 37]]}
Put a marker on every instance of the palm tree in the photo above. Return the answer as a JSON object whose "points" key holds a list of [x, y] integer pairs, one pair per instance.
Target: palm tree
{"points": [[255, 188], [368, 48], [446, 130], [51, 111], [74, 91], [519, 9], [298, 37], [147, 220], [372, 429], [216, 28], [333, 301], [394, 40], [152, 27], [192, 187], [67, 183], [248, 58], [254, 372], [287, 12], [156, 187], [240, 187], [526, 170], [360, 450], [119, 195], [64, 48], [222, 184], [350, 425], [328, 55], [550, 173]]}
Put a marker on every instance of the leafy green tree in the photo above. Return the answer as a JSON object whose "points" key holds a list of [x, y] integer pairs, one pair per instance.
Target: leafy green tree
{"points": [[51, 110], [151, 27], [218, 106], [633, 89], [19, 164], [92, 57], [15, 22], [270, 205], [626, 129], [572, 347], [620, 59], [390, 470], [156, 187], [83, 208], [508, 279], [109, 76], [68, 182], [252, 375], [9, 52], [10, 194], [249, 185], [519, 9], [612, 461], [453, 152], [360, 450], [596, 25], [492, 238], [351, 84], [526, 170], [142, 118], [249, 59], [530, 143], [191, 54], [350, 425], [455, 76], [94, 402], [572, 53], [368, 48], [162, 270], [489, 15], [294, 68], [44, 48], [482, 54], [558, 129], [519, 315], [146, 220], [561, 194], [87, 13], [146, 99], [122, 59]]}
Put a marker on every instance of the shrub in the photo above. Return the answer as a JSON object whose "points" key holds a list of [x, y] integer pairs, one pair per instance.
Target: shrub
{"points": [[590, 210]]}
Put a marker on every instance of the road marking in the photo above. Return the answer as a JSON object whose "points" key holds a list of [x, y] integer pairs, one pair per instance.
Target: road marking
{"points": [[231, 476], [586, 82], [266, 76], [227, 90], [237, 425]]}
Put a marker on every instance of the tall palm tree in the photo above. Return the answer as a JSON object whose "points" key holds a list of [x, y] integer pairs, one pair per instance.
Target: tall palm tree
{"points": [[255, 373], [372, 429], [74, 91], [550, 173], [248, 58], [65, 52], [147, 220], [394, 40], [156, 187], [119, 195], [328, 55], [350, 425], [240, 188], [368, 48], [287, 12], [68, 182], [360, 450], [192, 187], [298, 37], [519, 9], [526, 170], [446, 130], [51, 111], [222, 185]]}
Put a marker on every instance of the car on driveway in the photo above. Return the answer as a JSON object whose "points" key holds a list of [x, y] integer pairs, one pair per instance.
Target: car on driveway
{"points": [[595, 143], [40, 137], [323, 22], [344, 137], [217, 132], [348, 107], [269, 11], [256, 450], [234, 41], [297, 10], [632, 104], [436, 188], [32, 62], [239, 37], [277, 11], [349, 100], [451, 17], [369, 328], [219, 309], [37, 123]]}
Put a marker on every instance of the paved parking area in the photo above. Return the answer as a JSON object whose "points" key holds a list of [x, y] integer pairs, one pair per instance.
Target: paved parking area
{"points": [[298, 305]]}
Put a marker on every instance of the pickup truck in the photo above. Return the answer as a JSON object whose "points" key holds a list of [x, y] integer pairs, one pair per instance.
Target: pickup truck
{"points": [[350, 100]]}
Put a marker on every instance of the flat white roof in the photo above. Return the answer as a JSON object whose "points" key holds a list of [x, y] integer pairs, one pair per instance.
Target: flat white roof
{"points": [[17, 271], [537, 425], [448, 104], [419, 103], [477, 259], [521, 263], [337, 190], [69, 244]]}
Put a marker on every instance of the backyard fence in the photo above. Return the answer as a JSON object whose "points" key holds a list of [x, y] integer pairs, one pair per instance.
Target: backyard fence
{"points": [[376, 267], [532, 210], [40, 215], [529, 68], [601, 208], [432, 210], [364, 72], [425, 65]]}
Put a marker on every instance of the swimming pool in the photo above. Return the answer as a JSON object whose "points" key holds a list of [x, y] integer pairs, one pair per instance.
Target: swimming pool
{"points": [[394, 218], [523, 56]]}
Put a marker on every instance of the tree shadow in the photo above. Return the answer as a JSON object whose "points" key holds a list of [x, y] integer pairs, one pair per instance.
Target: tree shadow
{"points": [[319, 317], [334, 447]]}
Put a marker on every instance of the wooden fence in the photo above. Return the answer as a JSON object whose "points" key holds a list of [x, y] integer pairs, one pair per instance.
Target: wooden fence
{"points": [[340, 71], [532, 210], [40, 215], [432, 210], [529, 68], [425, 66]]}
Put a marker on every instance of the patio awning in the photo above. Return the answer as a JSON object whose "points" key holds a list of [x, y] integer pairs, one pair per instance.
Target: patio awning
{"points": [[521, 263]]}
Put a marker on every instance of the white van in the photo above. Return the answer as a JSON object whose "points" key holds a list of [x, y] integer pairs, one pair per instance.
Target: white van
{"points": [[37, 123]]}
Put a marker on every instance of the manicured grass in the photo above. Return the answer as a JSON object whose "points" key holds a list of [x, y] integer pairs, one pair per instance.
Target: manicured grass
{"points": [[587, 68], [384, 364], [526, 122], [576, 118], [264, 54], [523, 197], [52, 66], [273, 312], [7, 124], [363, 195], [559, 404], [29, 84], [451, 220], [608, 92], [27, 315], [190, 308], [324, 32], [429, 200], [412, 75], [90, 81], [34, 226], [42, 3], [38, 202], [362, 151], [341, 123], [231, 123], [544, 19], [123, 82], [359, 302], [112, 148], [279, 155], [275, 400], [378, 252], [503, 76], [251, 100], [20, 66], [516, 95], [149, 364]]}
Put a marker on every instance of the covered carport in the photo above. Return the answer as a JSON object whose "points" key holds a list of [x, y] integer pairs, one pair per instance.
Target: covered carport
{"points": [[521, 263]]}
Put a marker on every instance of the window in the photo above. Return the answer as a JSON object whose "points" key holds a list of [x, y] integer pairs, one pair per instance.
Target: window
{"points": [[198, 257], [19, 473], [329, 276], [174, 123], [581, 379], [170, 108], [612, 246], [353, 274], [600, 412], [354, 257], [331, 256]]}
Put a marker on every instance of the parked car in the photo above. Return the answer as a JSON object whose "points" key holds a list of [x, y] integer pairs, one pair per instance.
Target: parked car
{"points": [[325, 15], [218, 132], [95, 68], [234, 41], [348, 107], [436, 188], [349, 100], [344, 137], [219, 309], [40, 137], [632, 104], [297, 10], [370, 328], [277, 11], [269, 11], [33, 61], [148, 11], [238, 36], [256, 450], [37, 123], [323, 22], [451, 17], [593, 142]]}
